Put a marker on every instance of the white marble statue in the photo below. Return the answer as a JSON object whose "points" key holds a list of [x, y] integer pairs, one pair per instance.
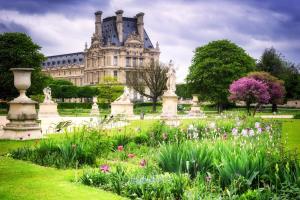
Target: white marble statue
{"points": [[171, 75], [47, 94], [125, 96]]}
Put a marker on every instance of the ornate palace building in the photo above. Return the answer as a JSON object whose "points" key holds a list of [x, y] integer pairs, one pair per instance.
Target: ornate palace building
{"points": [[117, 46]]}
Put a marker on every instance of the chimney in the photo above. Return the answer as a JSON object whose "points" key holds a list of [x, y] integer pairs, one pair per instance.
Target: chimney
{"points": [[98, 24], [119, 23], [140, 25]]}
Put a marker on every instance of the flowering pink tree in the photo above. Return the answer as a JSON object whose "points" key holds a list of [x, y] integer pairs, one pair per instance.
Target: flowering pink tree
{"points": [[275, 87], [250, 91]]}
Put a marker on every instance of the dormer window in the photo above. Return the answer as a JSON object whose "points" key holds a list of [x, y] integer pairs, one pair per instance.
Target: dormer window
{"points": [[63, 62], [69, 61], [53, 63], [75, 60]]}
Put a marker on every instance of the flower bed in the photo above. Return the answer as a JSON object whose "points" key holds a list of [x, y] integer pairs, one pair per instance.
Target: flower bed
{"points": [[229, 158]]}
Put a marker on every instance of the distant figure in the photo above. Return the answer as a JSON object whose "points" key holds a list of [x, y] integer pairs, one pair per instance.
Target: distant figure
{"points": [[47, 94]]}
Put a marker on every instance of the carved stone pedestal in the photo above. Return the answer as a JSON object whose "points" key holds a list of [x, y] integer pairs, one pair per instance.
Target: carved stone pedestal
{"points": [[170, 101], [195, 109], [122, 108], [48, 110]]}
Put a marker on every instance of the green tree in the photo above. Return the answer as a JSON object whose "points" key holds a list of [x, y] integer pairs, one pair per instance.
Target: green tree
{"points": [[182, 90], [109, 90], [214, 67], [273, 62], [87, 92], [18, 50]]}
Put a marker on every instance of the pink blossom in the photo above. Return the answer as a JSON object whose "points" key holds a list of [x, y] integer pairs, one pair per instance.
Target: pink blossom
{"points": [[120, 148], [104, 168], [131, 155], [143, 163], [249, 90]]}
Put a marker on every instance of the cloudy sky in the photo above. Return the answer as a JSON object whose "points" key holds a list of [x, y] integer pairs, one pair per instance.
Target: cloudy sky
{"points": [[63, 26]]}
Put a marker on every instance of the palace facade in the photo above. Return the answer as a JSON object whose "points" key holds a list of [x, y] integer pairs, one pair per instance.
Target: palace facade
{"points": [[118, 45]]}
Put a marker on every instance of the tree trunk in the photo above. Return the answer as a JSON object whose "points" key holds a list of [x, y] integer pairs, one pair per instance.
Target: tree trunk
{"points": [[248, 107], [219, 107], [255, 108], [274, 108], [154, 101]]}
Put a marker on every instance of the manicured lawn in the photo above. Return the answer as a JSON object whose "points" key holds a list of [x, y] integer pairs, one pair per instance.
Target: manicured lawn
{"points": [[23, 180], [291, 134], [7, 145]]}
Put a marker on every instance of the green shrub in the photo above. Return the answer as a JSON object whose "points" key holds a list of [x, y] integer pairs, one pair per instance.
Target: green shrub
{"points": [[297, 116], [3, 105], [65, 105], [186, 157], [78, 149]]}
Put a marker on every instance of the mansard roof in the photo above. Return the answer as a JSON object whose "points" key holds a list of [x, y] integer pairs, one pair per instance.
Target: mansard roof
{"points": [[64, 59], [110, 34]]}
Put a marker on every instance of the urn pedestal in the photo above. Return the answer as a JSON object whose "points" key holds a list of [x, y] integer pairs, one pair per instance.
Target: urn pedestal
{"points": [[169, 108], [195, 108], [48, 110], [122, 108], [22, 115]]}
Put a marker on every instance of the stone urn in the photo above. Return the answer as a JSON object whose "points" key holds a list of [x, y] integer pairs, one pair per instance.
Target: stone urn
{"points": [[22, 114]]}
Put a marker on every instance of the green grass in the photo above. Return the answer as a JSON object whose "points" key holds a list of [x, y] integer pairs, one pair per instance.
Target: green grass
{"points": [[22, 180], [291, 134], [8, 145]]}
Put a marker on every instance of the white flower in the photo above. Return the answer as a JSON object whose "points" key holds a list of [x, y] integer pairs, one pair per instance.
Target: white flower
{"points": [[257, 125], [268, 128], [212, 125], [238, 123], [259, 130], [244, 132], [234, 131], [251, 132], [195, 135], [191, 127]]}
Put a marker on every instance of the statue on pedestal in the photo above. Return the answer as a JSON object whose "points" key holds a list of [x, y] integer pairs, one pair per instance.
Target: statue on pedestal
{"points": [[122, 105], [48, 108], [47, 94], [125, 97]]}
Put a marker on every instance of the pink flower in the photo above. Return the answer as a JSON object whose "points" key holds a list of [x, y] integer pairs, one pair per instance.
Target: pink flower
{"points": [[143, 163], [120, 148], [104, 168], [131, 155]]}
